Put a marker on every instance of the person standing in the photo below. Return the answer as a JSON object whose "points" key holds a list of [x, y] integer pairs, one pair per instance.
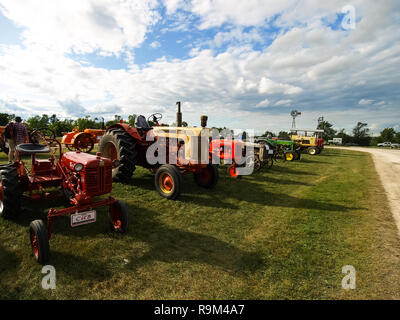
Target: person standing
{"points": [[19, 134]]}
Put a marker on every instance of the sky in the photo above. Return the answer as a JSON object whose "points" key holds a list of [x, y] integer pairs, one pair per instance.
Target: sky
{"points": [[245, 64]]}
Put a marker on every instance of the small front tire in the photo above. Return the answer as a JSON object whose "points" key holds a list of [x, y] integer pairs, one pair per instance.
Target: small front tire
{"points": [[39, 241], [119, 217], [168, 181]]}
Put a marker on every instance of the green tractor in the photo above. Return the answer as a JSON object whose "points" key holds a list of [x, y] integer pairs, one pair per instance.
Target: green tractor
{"points": [[283, 149]]}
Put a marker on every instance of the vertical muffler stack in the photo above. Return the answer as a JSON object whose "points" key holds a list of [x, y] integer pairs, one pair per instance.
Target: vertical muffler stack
{"points": [[203, 121], [179, 115]]}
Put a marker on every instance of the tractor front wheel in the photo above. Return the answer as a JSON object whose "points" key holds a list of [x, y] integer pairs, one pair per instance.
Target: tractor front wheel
{"points": [[10, 192], [312, 151], [119, 217], [168, 181], [289, 156], [39, 241], [207, 177]]}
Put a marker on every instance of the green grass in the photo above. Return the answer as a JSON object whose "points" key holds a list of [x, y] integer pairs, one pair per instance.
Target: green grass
{"points": [[285, 233]]}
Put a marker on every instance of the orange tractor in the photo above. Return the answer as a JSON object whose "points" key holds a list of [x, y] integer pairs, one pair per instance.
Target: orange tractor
{"points": [[82, 141]]}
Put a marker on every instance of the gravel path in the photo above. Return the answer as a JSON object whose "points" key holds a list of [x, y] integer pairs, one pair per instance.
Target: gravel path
{"points": [[387, 163]]}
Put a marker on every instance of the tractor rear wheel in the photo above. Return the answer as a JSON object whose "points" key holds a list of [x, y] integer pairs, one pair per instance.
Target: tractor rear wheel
{"points": [[84, 143], [119, 217], [117, 144], [10, 192], [168, 181], [39, 241], [312, 151], [208, 177], [269, 162]]}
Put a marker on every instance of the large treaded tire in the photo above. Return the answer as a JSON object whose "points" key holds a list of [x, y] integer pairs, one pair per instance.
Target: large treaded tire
{"points": [[125, 152], [11, 206]]}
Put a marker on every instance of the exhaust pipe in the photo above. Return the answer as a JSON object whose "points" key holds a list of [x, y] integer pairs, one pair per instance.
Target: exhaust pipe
{"points": [[203, 121], [179, 115]]}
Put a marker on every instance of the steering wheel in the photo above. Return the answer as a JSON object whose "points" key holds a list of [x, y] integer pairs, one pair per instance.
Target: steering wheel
{"points": [[45, 134], [155, 117]]}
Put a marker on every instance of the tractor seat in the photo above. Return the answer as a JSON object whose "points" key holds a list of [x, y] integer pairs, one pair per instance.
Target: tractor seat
{"points": [[142, 123], [32, 148]]}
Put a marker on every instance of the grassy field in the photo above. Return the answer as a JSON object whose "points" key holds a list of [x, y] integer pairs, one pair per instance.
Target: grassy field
{"points": [[285, 233]]}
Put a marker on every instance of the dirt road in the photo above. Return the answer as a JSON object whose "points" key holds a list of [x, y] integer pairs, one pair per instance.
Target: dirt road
{"points": [[387, 163]]}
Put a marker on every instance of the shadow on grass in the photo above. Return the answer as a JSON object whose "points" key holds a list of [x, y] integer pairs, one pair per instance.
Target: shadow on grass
{"points": [[79, 267], [244, 190], [169, 244]]}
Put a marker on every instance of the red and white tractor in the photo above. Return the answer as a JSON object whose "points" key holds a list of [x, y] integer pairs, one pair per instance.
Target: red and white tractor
{"points": [[81, 177]]}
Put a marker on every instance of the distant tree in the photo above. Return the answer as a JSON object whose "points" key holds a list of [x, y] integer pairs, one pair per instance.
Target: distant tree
{"points": [[87, 123], [268, 133], [61, 126], [5, 118], [361, 134], [38, 122], [329, 132], [345, 137], [283, 135], [117, 119], [388, 134], [397, 138], [132, 119]]}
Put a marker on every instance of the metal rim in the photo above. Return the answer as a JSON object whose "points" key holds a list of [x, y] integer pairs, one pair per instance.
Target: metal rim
{"points": [[34, 243], [110, 151], [1, 206], [166, 182], [116, 218]]}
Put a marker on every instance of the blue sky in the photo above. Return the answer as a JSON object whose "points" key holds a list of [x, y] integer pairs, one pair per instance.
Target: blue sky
{"points": [[246, 64]]}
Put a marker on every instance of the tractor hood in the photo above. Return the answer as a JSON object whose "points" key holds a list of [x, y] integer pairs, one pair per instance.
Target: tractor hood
{"points": [[69, 160]]}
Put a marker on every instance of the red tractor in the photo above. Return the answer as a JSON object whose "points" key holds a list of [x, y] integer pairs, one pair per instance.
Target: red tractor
{"points": [[130, 145], [81, 177]]}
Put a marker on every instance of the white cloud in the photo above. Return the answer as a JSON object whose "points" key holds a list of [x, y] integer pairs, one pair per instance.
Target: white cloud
{"points": [[155, 44], [82, 26], [364, 102], [308, 65], [283, 102], [264, 103]]}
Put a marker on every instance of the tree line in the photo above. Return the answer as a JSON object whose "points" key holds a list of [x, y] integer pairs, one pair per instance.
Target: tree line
{"points": [[59, 126], [361, 134]]}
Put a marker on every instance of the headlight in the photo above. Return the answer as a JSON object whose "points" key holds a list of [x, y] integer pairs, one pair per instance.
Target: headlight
{"points": [[78, 167], [116, 163]]}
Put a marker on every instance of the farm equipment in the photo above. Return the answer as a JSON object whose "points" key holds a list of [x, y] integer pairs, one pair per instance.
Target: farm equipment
{"points": [[284, 150], [82, 141], [3, 143], [81, 177], [230, 150], [308, 140], [179, 150]]}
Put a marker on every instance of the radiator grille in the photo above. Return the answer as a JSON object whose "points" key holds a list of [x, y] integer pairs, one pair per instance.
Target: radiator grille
{"points": [[98, 180]]}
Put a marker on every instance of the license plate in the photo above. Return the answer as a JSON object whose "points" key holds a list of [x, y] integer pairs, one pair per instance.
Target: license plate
{"points": [[81, 218], [270, 151]]}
